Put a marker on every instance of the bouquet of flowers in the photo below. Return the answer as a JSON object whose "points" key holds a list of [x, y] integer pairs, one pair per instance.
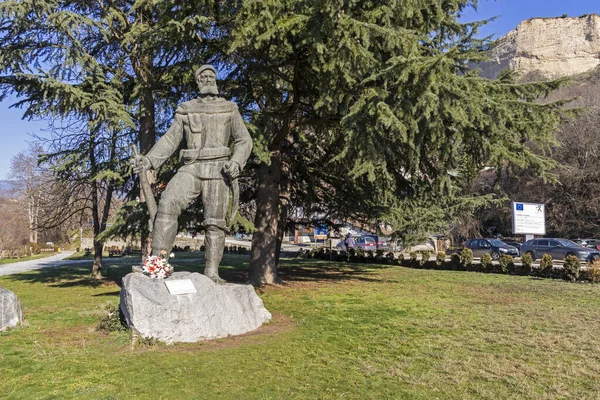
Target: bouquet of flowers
{"points": [[156, 267]]}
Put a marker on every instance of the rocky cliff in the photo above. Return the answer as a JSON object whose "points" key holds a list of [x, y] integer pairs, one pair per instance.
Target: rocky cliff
{"points": [[548, 48]]}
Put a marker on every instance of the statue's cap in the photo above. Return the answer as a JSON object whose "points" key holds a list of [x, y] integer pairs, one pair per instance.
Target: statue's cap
{"points": [[204, 68]]}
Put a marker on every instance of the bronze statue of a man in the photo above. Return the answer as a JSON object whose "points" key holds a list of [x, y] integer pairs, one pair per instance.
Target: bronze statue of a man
{"points": [[207, 124]]}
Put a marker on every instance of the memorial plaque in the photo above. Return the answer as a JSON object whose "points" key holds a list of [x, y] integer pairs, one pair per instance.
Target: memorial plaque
{"points": [[181, 286]]}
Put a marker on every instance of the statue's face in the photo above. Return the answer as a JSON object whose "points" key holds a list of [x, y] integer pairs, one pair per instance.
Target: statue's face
{"points": [[207, 83]]}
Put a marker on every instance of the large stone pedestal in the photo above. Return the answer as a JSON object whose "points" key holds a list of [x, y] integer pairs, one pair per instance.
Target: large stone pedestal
{"points": [[214, 311], [11, 312]]}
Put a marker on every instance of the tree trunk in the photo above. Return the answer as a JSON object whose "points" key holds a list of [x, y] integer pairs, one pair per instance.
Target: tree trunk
{"points": [[97, 267], [263, 260], [147, 133], [281, 228], [284, 205]]}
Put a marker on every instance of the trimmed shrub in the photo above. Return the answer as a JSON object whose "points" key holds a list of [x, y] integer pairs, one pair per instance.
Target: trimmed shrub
{"points": [[425, 254], [440, 258], [413, 257], [466, 257], [455, 260], [527, 262], [593, 271], [351, 255], [507, 263], [401, 259], [486, 263], [572, 266], [390, 257], [546, 265]]}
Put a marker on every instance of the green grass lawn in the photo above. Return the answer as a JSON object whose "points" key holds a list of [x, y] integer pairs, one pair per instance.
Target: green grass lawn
{"points": [[338, 331]]}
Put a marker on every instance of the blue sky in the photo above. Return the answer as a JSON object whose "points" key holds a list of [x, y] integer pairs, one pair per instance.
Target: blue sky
{"points": [[15, 133]]}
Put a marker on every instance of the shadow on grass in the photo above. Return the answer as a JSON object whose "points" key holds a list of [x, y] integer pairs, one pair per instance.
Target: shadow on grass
{"points": [[234, 269], [310, 270], [108, 294], [63, 276]]}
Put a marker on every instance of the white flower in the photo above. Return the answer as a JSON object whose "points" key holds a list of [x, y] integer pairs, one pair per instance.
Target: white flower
{"points": [[172, 255]]}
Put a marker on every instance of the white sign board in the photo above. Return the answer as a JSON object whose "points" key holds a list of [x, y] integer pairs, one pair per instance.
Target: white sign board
{"points": [[528, 218], [181, 286]]}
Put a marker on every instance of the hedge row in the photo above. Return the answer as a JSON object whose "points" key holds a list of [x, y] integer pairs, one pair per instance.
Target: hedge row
{"points": [[571, 270]]}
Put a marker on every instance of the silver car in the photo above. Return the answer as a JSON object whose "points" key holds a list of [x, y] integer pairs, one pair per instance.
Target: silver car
{"points": [[367, 243], [558, 249]]}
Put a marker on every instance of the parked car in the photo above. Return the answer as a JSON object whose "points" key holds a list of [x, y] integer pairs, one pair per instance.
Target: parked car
{"points": [[428, 244], [558, 249], [515, 245], [383, 243], [367, 243], [494, 247], [590, 243]]}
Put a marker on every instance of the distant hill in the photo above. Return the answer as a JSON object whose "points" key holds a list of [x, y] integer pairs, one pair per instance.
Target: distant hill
{"points": [[7, 188], [547, 48]]}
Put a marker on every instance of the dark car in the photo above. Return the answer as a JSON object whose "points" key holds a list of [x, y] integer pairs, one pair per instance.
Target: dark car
{"points": [[515, 245], [494, 247], [558, 249]]}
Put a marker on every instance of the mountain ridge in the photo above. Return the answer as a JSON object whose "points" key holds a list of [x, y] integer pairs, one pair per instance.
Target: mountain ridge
{"points": [[547, 48]]}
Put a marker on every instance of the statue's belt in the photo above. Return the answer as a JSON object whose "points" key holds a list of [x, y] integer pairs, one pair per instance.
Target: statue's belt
{"points": [[190, 156]]}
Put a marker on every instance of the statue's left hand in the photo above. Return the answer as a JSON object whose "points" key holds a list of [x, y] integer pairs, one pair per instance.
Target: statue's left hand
{"points": [[232, 169]]}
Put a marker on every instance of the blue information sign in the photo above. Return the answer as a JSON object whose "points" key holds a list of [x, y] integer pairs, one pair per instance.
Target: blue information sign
{"points": [[321, 231]]}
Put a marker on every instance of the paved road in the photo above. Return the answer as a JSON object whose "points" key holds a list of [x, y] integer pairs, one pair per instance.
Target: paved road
{"points": [[248, 244], [47, 262]]}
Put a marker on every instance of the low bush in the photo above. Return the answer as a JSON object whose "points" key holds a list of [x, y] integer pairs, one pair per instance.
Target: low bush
{"points": [[546, 265], [425, 254], [455, 260], [486, 263], [112, 320], [466, 257], [413, 257], [593, 271], [390, 257], [507, 263], [401, 259], [440, 258], [571, 268], [36, 248], [527, 262]]}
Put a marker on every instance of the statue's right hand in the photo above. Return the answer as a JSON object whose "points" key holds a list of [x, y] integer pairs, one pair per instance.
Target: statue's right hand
{"points": [[140, 163]]}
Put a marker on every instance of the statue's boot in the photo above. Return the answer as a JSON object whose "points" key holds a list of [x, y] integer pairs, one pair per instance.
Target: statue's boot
{"points": [[163, 235], [214, 242]]}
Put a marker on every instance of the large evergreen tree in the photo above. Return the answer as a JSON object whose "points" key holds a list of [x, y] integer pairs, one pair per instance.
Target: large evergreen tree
{"points": [[114, 70], [381, 94]]}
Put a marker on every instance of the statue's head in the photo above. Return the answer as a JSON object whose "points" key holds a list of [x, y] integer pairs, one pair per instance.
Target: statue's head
{"points": [[206, 78]]}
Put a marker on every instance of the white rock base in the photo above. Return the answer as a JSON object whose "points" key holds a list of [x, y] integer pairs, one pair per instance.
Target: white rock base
{"points": [[215, 311], [11, 312]]}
